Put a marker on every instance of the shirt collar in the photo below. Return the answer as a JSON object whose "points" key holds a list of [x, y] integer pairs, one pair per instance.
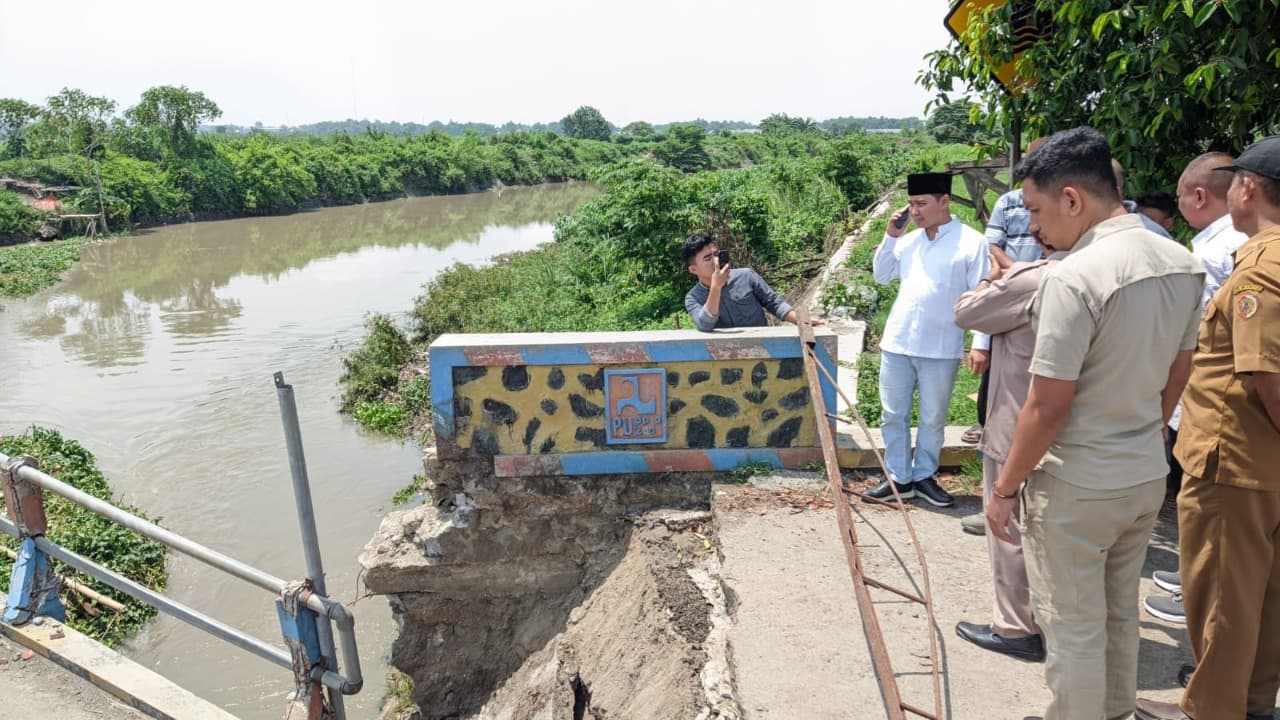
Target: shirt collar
{"points": [[1211, 230], [1256, 243]]}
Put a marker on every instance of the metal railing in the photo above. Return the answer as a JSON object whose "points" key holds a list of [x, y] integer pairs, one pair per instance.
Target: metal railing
{"points": [[305, 612]]}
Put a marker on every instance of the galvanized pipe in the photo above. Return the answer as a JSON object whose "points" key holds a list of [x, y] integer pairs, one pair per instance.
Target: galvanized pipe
{"points": [[158, 601], [307, 523], [229, 565], [322, 605]]}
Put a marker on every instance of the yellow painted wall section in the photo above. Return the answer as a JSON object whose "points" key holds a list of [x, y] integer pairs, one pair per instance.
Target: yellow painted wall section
{"points": [[524, 410]]}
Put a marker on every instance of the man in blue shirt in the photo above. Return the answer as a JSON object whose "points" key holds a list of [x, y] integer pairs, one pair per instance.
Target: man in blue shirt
{"points": [[922, 346], [728, 297]]}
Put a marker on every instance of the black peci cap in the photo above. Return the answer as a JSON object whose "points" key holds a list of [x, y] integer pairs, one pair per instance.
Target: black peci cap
{"points": [[929, 184], [1262, 157]]}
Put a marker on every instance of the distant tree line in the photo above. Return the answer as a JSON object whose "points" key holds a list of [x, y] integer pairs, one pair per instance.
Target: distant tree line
{"points": [[153, 163], [836, 126]]}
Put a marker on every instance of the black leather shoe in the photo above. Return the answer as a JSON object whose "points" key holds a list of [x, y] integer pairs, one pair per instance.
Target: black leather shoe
{"points": [[1030, 649], [1184, 674], [884, 492], [929, 490]]}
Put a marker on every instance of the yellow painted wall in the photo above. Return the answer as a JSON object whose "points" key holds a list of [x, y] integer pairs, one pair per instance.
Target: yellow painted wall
{"points": [[517, 411]]}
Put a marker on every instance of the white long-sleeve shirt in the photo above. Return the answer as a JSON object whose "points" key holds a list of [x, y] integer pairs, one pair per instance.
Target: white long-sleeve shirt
{"points": [[934, 273], [1215, 248]]}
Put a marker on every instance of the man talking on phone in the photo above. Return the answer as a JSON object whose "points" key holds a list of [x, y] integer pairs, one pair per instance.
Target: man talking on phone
{"points": [[727, 297], [921, 347]]}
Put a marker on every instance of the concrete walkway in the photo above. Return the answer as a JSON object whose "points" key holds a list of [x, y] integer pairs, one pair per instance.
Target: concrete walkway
{"points": [[797, 644], [35, 687]]}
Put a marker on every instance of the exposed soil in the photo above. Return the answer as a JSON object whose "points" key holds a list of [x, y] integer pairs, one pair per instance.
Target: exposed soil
{"points": [[638, 646]]}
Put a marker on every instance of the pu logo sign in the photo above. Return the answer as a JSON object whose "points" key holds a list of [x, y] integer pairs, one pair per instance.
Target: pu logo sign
{"points": [[635, 406]]}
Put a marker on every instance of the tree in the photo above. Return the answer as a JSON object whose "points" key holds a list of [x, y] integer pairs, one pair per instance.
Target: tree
{"points": [[1163, 80], [175, 113], [638, 131], [586, 122], [15, 117], [782, 123], [682, 148], [76, 123], [951, 123]]}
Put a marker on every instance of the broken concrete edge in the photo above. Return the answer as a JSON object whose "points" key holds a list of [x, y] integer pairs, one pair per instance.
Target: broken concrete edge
{"points": [[140, 688]]}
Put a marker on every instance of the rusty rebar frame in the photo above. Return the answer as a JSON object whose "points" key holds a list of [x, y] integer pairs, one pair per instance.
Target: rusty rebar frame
{"points": [[894, 704]]}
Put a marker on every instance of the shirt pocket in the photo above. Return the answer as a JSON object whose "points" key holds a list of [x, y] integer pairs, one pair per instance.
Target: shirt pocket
{"points": [[1204, 341]]}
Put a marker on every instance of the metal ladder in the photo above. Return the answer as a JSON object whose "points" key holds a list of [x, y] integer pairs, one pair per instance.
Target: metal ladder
{"points": [[895, 706]]}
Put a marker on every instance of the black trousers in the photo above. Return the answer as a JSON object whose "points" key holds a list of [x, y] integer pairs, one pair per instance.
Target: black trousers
{"points": [[1174, 480], [982, 397]]}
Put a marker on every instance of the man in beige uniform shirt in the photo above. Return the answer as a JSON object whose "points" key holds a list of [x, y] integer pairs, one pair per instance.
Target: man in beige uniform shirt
{"points": [[1115, 327], [1001, 307]]}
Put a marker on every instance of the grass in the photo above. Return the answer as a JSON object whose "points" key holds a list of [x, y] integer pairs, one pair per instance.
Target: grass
{"points": [[968, 481], [30, 268], [962, 411], [398, 702], [416, 488]]}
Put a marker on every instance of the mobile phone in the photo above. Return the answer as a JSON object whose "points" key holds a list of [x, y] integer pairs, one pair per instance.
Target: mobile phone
{"points": [[903, 219], [724, 257]]}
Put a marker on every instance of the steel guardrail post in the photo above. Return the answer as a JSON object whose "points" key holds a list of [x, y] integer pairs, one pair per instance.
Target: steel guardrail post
{"points": [[307, 525], [33, 588]]}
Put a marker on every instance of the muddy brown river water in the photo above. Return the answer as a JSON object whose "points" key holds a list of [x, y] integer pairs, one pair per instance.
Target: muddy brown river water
{"points": [[156, 352]]}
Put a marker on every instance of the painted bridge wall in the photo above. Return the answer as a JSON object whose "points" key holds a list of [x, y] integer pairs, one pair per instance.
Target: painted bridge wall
{"points": [[598, 403]]}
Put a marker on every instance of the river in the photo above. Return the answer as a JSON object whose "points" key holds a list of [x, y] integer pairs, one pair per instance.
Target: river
{"points": [[156, 352]]}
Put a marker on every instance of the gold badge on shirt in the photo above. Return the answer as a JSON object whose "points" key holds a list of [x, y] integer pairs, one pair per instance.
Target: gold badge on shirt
{"points": [[1246, 305]]}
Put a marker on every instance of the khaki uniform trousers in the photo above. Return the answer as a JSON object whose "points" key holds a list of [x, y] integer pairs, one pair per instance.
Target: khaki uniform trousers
{"points": [[1084, 551], [1011, 607], [1230, 559]]}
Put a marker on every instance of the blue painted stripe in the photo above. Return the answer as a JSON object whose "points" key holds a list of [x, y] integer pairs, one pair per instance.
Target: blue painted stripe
{"points": [[442, 362], [683, 351], [828, 387], [727, 459], [603, 463], [556, 355], [788, 347]]}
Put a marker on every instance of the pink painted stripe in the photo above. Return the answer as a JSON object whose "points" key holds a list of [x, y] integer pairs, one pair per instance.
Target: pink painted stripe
{"points": [[678, 461], [525, 465], [742, 350], [797, 458], [493, 356], [617, 354]]}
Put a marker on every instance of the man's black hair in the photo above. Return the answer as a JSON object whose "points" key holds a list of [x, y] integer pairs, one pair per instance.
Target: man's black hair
{"points": [[694, 244], [1162, 201], [1079, 157]]}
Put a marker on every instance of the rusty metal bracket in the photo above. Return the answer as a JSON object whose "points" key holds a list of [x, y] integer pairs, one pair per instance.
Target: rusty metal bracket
{"points": [[862, 584], [24, 500]]}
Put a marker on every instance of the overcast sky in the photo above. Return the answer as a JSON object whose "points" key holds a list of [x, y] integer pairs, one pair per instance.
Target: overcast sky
{"points": [[520, 60]]}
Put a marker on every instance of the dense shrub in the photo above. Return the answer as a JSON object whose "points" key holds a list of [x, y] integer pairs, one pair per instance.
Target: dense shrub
{"points": [[90, 535], [16, 217]]}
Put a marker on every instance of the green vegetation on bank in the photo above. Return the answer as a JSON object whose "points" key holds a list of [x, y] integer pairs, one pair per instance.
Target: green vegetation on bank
{"points": [[616, 264], [90, 535]]}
